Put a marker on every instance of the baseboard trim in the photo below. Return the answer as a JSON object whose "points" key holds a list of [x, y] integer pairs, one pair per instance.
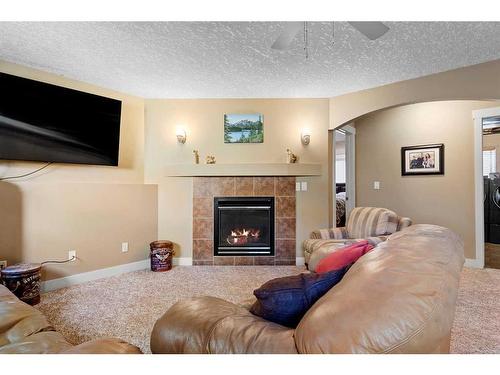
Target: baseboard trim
{"points": [[63, 282], [300, 261], [182, 261], [473, 263]]}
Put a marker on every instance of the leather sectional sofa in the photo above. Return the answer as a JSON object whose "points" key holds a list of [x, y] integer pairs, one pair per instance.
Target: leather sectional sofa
{"points": [[398, 298]]}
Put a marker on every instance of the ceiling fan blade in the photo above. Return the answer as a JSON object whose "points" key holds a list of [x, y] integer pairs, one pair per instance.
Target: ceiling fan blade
{"points": [[372, 30], [286, 37]]}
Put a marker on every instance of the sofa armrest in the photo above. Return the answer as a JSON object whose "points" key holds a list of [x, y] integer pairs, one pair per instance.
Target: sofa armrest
{"points": [[404, 222], [203, 325], [330, 234], [313, 245], [374, 240], [104, 346]]}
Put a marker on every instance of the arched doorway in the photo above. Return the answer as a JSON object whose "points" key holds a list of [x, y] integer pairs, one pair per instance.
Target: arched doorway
{"points": [[447, 200]]}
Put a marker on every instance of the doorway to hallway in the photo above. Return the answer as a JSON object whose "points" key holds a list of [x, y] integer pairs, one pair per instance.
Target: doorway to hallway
{"points": [[487, 186], [345, 178]]}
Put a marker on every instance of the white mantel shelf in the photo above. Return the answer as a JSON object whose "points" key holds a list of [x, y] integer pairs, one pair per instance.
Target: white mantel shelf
{"points": [[243, 169]]}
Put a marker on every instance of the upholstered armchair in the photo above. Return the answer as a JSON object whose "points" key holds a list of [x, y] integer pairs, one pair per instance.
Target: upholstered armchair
{"points": [[364, 223]]}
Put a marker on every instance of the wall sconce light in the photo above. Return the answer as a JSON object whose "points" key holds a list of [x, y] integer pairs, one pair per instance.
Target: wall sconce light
{"points": [[181, 135], [305, 136]]}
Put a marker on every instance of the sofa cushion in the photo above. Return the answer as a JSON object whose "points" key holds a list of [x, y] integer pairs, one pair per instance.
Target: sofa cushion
{"points": [[24, 329], [285, 300], [343, 257], [366, 222], [18, 320]]}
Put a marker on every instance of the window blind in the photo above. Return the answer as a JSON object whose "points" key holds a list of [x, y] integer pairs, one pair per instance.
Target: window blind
{"points": [[489, 161]]}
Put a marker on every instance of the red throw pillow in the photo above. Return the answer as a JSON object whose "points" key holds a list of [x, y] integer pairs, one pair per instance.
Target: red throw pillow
{"points": [[343, 257]]}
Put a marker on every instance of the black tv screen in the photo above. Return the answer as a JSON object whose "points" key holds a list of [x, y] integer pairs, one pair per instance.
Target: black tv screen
{"points": [[43, 122]]}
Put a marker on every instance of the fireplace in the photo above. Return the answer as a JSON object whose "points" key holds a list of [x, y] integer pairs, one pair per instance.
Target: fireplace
{"points": [[277, 192], [244, 226]]}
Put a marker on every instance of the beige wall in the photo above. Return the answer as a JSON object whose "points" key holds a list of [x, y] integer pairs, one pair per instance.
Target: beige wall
{"points": [[24, 212], [93, 219], [203, 120], [476, 82], [444, 200], [90, 209]]}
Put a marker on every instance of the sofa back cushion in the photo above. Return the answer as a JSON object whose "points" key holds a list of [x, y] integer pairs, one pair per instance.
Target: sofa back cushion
{"points": [[366, 222]]}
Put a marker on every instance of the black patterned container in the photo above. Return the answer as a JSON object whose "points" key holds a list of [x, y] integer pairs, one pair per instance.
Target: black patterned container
{"points": [[24, 281], [161, 255]]}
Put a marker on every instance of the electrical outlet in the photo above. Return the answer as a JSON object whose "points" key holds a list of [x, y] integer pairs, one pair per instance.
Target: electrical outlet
{"points": [[3, 264], [124, 247], [376, 185], [72, 255]]}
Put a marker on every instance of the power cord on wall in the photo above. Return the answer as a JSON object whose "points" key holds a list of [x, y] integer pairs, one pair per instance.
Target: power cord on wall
{"points": [[26, 174], [29, 174], [59, 261]]}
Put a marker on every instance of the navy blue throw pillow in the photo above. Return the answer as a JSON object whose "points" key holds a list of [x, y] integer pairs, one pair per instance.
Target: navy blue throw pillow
{"points": [[285, 300]]}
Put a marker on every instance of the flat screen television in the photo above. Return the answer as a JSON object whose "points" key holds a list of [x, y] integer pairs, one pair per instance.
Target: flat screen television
{"points": [[44, 122]]}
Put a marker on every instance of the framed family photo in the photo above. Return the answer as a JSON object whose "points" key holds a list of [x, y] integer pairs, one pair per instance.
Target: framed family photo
{"points": [[422, 160]]}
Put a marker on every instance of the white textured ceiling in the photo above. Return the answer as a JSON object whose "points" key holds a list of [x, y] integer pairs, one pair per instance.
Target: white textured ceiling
{"points": [[234, 59]]}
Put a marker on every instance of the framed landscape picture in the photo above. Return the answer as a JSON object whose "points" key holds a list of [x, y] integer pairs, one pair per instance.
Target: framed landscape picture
{"points": [[243, 128], [422, 160]]}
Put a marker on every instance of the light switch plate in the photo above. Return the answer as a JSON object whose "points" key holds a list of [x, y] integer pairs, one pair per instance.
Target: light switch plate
{"points": [[376, 185], [304, 185], [124, 247], [297, 186]]}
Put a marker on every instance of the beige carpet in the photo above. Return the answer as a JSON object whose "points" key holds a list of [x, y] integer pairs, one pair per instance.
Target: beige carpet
{"points": [[477, 318], [127, 306]]}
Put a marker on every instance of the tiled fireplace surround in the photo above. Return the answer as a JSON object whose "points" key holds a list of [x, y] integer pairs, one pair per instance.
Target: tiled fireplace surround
{"points": [[204, 191]]}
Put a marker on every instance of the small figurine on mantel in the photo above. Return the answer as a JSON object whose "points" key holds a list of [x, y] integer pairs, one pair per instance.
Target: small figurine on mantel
{"points": [[196, 157], [210, 159], [291, 157]]}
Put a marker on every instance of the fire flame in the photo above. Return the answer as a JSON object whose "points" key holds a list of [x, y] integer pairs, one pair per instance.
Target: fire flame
{"points": [[243, 236], [245, 232]]}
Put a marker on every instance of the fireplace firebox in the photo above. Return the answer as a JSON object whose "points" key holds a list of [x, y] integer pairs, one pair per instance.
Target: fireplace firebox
{"points": [[244, 226]]}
